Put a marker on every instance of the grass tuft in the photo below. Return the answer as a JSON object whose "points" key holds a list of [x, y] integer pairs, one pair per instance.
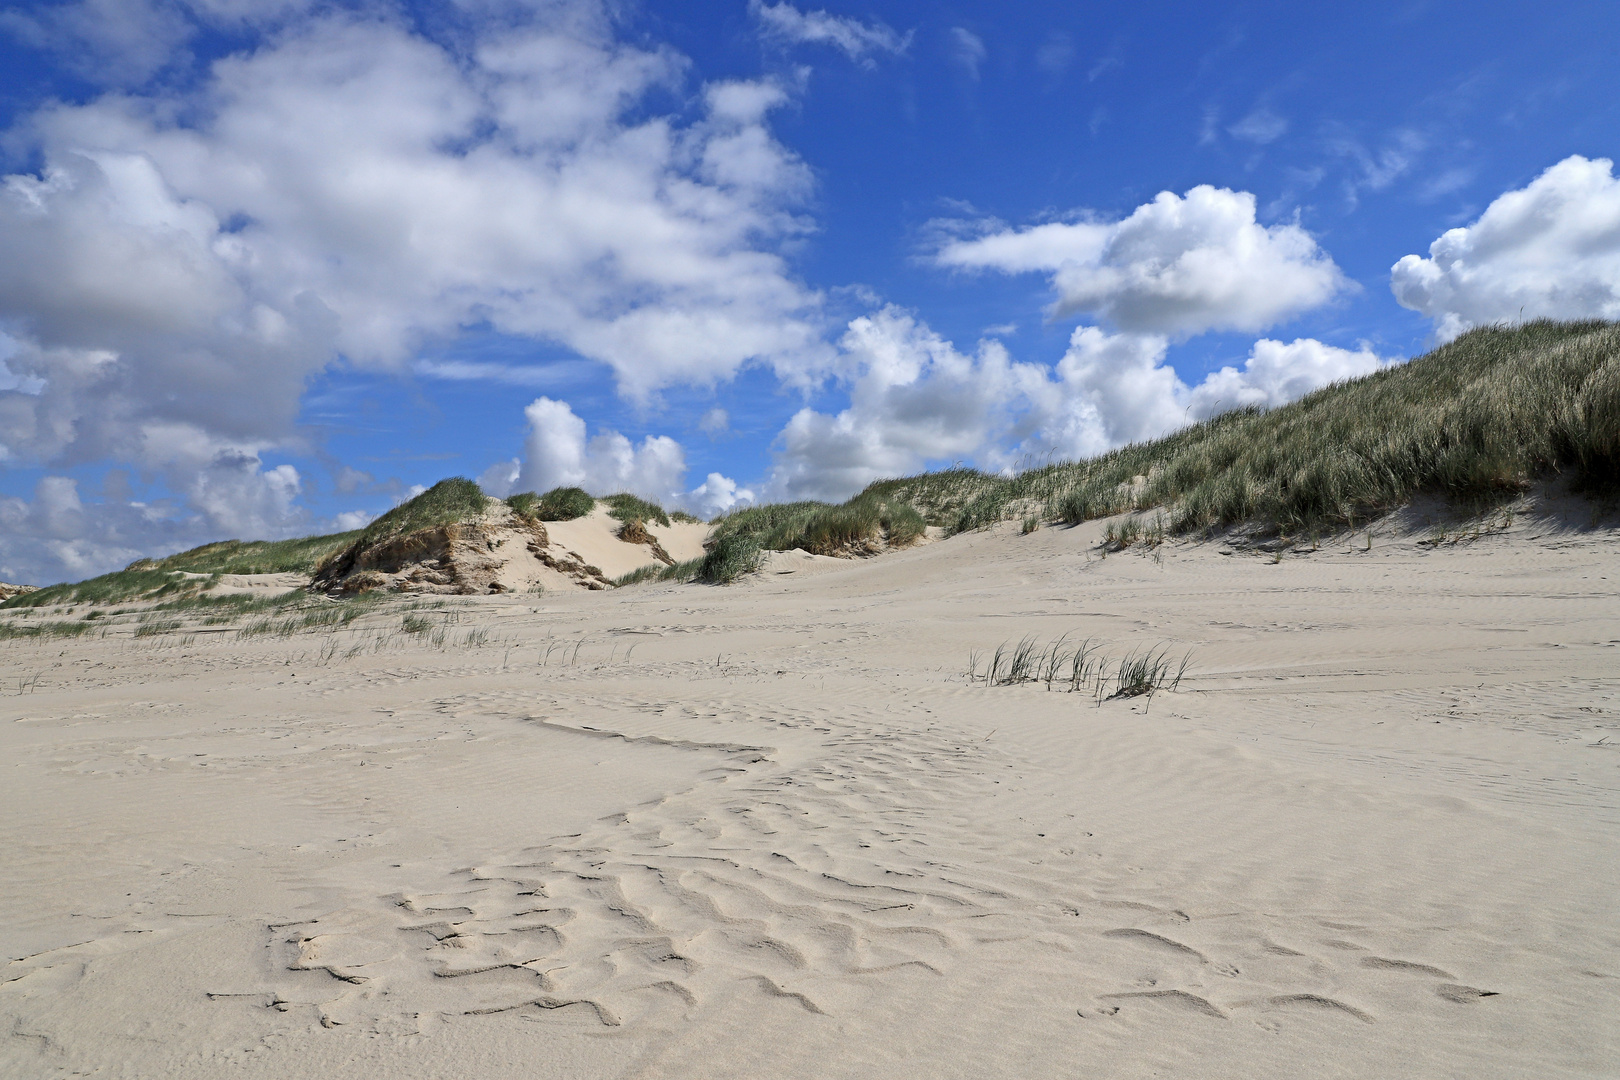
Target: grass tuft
{"points": [[564, 504], [729, 559], [626, 507], [1079, 667]]}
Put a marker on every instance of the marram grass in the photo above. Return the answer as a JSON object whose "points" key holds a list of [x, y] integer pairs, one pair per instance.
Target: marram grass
{"points": [[1474, 422]]}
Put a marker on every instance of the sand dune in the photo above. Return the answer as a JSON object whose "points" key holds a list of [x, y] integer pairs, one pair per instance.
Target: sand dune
{"points": [[772, 829]]}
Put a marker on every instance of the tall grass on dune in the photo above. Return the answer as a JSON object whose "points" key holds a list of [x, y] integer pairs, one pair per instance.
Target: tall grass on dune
{"points": [[1474, 421], [858, 525], [448, 501], [626, 507]]}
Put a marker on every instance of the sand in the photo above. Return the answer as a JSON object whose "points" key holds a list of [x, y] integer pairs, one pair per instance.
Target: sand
{"points": [[771, 829]]}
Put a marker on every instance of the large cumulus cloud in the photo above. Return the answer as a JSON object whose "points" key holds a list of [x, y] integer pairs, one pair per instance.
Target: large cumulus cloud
{"points": [[558, 453], [1178, 266], [182, 263], [921, 401], [1548, 250]]}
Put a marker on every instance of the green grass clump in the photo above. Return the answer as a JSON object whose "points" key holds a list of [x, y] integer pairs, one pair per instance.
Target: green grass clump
{"points": [[940, 497], [525, 505], [447, 502], [681, 517], [627, 507], [729, 558], [563, 504], [1080, 667], [231, 603], [823, 529], [774, 527]]}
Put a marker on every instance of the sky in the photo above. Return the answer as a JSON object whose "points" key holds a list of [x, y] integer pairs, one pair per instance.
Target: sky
{"points": [[269, 267]]}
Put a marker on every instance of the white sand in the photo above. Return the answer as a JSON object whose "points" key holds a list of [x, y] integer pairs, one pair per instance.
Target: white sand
{"points": [[782, 837]]}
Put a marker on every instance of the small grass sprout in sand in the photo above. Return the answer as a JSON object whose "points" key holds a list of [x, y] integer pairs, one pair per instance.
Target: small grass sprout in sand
{"points": [[1079, 667]]}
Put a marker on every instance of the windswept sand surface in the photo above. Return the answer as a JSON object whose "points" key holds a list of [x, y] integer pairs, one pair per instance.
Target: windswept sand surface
{"points": [[771, 831]]}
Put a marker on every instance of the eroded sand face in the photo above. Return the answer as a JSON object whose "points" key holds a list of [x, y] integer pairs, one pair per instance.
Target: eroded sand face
{"points": [[770, 830]]}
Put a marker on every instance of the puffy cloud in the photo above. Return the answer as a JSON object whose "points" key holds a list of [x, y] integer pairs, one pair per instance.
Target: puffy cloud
{"points": [[785, 23], [184, 262], [717, 495], [357, 190], [1548, 250], [557, 453], [919, 401], [1113, 389], [1276, 373], [715, 421], [1176, 266]]}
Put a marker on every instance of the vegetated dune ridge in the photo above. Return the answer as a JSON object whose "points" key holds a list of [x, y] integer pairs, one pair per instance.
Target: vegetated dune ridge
{"points": [[774, 830]]}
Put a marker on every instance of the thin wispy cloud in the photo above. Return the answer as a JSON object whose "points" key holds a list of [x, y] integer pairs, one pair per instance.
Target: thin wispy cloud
{"points": [[967, 50], [785, 24]]}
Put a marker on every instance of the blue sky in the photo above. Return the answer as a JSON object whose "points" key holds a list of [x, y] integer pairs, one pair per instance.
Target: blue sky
{"points": [[268, 267]]}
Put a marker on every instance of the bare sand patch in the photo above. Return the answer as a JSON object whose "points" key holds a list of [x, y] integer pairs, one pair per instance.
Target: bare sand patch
{"points": [[773, 829]]}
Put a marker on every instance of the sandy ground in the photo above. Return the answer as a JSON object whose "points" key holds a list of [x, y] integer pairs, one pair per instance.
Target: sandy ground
{"points": [[771, 830]]}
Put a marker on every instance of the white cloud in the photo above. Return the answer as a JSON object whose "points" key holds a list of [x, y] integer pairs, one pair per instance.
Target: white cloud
{"points": [[124, 42], [1113, 389], [1261, 126], [1055, 55], [1377, 171], [785, 23], [1176, 266], [185, 262], [714, 421], [61, 536], [717, 495], [1548, 250], [919, 401], [535, 376], [557, 453], [1277, 372], [968, 50]]}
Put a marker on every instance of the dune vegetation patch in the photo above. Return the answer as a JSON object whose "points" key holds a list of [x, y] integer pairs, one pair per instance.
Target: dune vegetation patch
{"points": [[558, 504], [118, 587], [865, 525], [447, 502], [300, 556], [1475, 422], [626, 507]]}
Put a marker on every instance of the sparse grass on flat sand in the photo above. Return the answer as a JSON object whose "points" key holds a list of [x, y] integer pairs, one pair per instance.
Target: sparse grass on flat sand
{"points": [[1080, 666]]}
